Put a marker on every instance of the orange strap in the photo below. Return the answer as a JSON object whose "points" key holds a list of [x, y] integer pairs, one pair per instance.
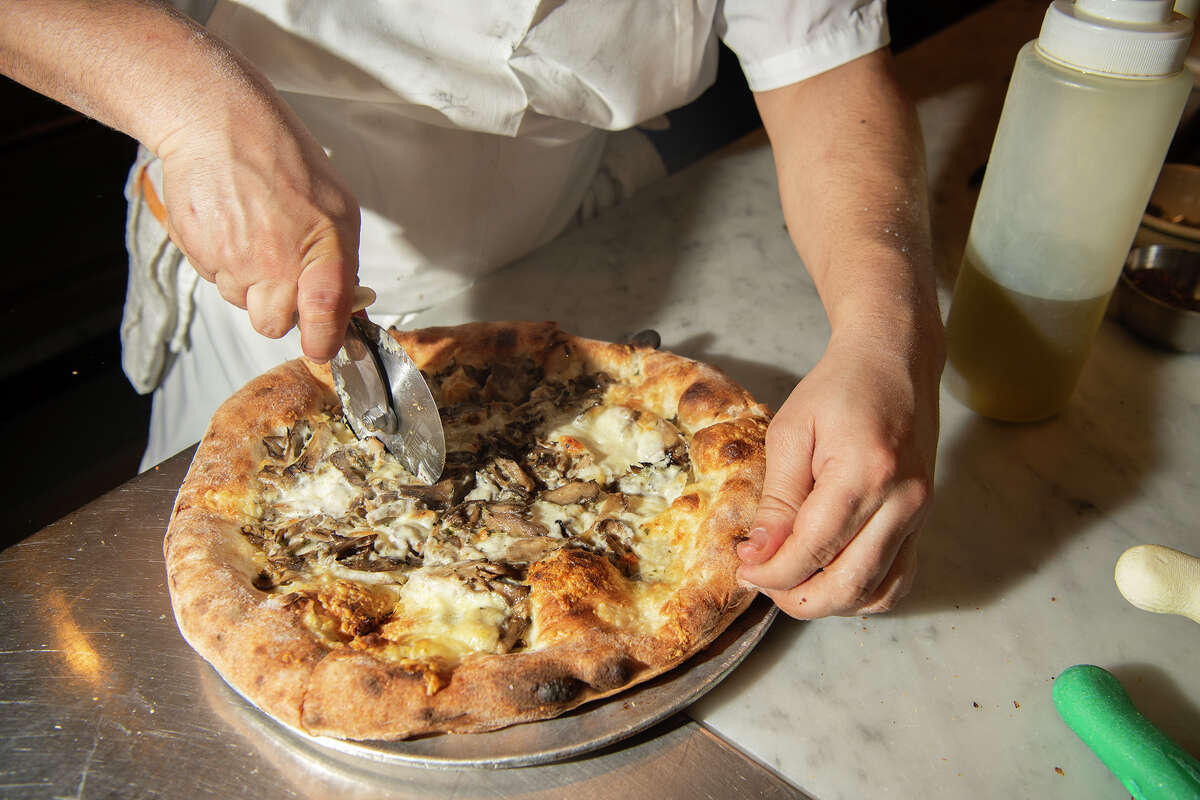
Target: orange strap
{"points": [[151, 197]]}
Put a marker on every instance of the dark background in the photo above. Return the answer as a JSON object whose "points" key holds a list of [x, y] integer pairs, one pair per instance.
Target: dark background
{"points": [[73, 427]]}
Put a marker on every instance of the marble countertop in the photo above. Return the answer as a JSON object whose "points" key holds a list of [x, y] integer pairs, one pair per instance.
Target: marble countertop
{"points": [[949, 695]]}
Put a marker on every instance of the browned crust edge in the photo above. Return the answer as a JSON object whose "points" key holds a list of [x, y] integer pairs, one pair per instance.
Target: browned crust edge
{"points": [[264, 651]]}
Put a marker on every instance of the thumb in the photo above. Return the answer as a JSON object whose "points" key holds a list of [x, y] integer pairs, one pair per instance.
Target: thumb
{"points": [[788, 481], [323, 299]]}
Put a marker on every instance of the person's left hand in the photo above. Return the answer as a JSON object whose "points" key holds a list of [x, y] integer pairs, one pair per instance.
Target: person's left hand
{"points": [[849, 479]]}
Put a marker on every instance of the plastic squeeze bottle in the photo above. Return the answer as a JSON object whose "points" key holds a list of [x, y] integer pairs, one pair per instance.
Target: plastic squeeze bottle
{"points": [[1090, 112]]}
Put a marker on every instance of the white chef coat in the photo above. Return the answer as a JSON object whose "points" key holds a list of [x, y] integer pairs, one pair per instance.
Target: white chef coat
{"points": [[469, 131]]}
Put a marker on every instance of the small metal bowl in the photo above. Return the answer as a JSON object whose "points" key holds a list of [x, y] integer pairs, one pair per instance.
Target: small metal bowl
{"points": [[1156, 296]]}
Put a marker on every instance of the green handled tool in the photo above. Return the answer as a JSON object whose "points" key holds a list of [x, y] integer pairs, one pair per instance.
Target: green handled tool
{"points": [[1152, 767]]}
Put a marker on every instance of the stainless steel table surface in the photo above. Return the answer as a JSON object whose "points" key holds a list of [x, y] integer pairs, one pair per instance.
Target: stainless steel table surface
{"points": [[101, 698]]}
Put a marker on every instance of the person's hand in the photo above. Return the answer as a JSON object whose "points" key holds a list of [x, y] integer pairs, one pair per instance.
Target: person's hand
{"points": [[256, 206], [251, 199], [849, 478]]}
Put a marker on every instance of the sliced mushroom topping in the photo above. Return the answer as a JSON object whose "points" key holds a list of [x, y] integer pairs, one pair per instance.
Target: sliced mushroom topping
{"points": [[345, 547], [439, 495], [488, 576], [352, 465], [612, 527], [677, 454], [511, 383], [527, 551], [453, 386], [474, 570], [514, 627], [372, 562], [276, 446], [614, 503], [543, 400], [513, 593], [272, 476], [509, 475], [573, 492], [466, 413], [292, 598], [464, 516], [297, 435], [319, 526], [313, 450], [462, 462], [284, 568], [614, 536], [512, 523], [386, 512]]}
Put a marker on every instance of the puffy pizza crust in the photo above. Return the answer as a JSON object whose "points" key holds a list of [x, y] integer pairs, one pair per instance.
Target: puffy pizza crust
{"points": [[590, 643]]}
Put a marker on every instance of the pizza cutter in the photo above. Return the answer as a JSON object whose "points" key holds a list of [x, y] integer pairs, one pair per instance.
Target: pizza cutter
{"points": [[385, 396], [1094, 704]]}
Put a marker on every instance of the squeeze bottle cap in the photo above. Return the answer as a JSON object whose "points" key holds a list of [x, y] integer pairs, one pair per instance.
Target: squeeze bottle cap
{"points": [[1126, 38]]}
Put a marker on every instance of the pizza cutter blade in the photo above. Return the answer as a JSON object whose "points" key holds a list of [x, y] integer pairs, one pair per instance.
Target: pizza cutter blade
{"points": [[384, 395]]}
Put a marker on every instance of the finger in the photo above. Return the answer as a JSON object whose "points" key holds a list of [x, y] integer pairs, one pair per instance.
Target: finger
{"points": [[323, 301], [849, 581], [231, 289], [830, 517], [869, 575], [272, 305], [786, 485], [898, 581]]}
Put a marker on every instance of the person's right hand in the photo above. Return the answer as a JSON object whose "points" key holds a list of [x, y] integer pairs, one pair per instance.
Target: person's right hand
{"points": [[251, 198], [258, 209]]}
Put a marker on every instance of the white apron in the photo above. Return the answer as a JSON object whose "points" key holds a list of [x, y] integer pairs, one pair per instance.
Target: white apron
{"points": [[470, 132]]}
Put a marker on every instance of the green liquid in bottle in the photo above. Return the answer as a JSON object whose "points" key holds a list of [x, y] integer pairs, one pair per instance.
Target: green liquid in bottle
{"points": [[1014, 357]]}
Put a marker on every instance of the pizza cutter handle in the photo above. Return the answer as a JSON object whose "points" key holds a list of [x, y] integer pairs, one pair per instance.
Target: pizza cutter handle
{"points": [[1095, 705], [1160, 579]]}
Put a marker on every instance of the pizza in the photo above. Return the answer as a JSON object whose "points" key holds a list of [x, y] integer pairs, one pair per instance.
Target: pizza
{"points": [[580, 540]]}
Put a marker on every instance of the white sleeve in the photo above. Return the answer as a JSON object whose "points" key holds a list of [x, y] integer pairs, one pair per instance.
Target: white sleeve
{"points": [[783, 41]]}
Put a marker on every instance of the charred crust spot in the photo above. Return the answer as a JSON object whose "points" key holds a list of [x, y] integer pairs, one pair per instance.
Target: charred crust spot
{"points": [[506, 339], [736, 450], [740, 487], [372, 685], [614, 673], [701, 394], [557, 690]]}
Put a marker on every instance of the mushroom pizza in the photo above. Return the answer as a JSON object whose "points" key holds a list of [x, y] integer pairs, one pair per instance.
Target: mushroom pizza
{"points": [[580, 540]]}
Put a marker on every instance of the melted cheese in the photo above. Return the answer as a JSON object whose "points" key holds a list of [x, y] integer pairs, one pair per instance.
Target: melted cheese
{"points": [[404, 535], [443, 618], [618, 439], [325, 490]]}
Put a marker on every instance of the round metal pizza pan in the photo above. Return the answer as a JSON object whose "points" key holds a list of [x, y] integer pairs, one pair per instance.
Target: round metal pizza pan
{"points": [[589, 728]]}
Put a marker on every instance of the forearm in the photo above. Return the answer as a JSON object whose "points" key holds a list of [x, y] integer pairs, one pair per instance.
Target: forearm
{"points": [[135, 65], [852, 183]]}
